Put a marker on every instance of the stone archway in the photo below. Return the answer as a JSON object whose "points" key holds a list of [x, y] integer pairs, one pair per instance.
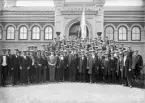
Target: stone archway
{"points": [[75, 31], [77, 20]]}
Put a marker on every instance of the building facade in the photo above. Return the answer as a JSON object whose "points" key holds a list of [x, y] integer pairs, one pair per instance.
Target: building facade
{"points": [[23, 26]]}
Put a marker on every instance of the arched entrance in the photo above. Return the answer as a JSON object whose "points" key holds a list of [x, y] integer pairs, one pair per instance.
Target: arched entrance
{"points": [[75, 30]]}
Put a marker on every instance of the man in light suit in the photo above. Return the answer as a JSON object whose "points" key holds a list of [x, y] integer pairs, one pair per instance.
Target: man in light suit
{"points": [[52, 65]]}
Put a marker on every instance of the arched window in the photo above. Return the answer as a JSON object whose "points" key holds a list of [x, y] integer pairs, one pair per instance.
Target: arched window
{"points": [[48, 33], [109, 32], [0, 33], [10, 33], [122, 33], [23, 32], [136, 33], [36, 33]]}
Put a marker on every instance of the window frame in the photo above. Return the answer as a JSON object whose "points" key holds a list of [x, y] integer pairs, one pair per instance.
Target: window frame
{"points": [[45, 33], [132, 33], [7, 32], [126, 33], [112, 28], [20, 32], [32, 32]]}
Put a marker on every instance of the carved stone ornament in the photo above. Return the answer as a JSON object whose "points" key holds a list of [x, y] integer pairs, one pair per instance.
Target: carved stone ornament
{"points": [[93, 8]]}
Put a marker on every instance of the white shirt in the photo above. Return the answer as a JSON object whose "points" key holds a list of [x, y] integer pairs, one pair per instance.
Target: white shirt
{"points": [[4, 63], [125, 57]]}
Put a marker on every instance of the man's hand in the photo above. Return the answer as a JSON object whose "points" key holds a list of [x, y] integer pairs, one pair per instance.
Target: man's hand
{"points": [[12, 68], [21, 68], [129, 69], [28, 68]]}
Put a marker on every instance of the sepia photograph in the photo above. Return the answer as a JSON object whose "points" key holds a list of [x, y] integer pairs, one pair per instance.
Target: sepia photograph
{"points": [[72, 51]]}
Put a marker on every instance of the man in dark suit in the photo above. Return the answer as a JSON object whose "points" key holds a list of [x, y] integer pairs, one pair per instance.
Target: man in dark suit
{"points": [[82, 67], [127, 70], [39, 67], [91, 66], [24, 66], [4, 67], [15, 67], [10, 63], [66, 70], [137, 64], [107, 69]]}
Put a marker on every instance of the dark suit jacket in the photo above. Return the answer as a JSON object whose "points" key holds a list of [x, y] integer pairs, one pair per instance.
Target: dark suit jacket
{"points": [[91, 62], [25, 63], [82, 65]]}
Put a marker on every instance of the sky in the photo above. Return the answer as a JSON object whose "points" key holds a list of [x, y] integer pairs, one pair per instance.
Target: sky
{"points": [[108, 2]]}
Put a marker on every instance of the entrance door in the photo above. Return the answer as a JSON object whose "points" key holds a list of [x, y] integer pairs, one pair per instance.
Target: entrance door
{"points": [[75, 30]]}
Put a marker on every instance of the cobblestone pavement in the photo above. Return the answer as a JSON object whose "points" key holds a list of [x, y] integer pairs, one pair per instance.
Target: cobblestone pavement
{"points": [[71, 93]]}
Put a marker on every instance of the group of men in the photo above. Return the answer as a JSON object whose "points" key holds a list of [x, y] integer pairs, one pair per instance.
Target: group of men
{"points": [[74, 60]]}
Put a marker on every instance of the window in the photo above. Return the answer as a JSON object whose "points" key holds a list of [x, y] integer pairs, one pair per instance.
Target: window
{"points": [[122, 33], [136, 33], [36, 33], [48, 33], [0, 33], [23, 33], [109, 32], [10, 33]]}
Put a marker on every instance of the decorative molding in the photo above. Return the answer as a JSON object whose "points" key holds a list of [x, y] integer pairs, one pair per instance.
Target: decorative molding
{"points": [[80, 8], [136, 25], [123, 25], [23, 24], [48, 24], [36, 24], [10, 24], [110, 24]]}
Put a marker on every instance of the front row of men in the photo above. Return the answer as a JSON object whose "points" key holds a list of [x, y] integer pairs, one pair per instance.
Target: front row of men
{"points": [[84, 66]]}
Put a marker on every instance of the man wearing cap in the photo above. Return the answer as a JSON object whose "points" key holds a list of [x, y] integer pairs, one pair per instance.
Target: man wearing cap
{"points": [[127, 70], [107, 69], [91, 66], [66, 70], [82, 67], [137, 64], [119, 71], [52, 65], [15, 67], [39, 67], [57, 73], [24, 67], [4, 67], [10, 63], [113, 67], [44, 67]]}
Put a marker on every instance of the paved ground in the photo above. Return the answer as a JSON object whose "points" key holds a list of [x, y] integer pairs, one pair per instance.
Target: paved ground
{"points": [[72, 93]]}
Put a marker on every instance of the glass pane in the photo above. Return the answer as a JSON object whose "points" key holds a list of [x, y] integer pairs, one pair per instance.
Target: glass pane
{"points": [[10, 32], [48, 32], [23, 32], [36, 33]]}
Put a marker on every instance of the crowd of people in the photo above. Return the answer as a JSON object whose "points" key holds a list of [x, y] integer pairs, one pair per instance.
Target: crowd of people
{"points": [[76, 60]]}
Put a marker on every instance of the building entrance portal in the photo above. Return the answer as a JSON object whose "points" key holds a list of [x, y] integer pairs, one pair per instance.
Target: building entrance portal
{"points": [[75, 30]]}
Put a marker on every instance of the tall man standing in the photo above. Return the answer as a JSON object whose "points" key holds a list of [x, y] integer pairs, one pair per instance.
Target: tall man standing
{"points": [[15, 67], [4, 67], [127, 70]]}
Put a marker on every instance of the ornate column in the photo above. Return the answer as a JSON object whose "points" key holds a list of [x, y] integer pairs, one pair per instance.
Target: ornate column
{"points": [[99, 23], [58, 18]]}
